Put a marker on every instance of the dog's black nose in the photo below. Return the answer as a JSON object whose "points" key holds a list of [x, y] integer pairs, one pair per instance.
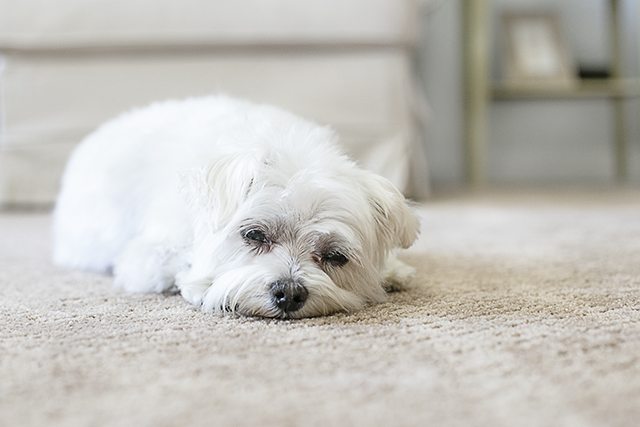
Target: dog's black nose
{"points": [[288, 295]]}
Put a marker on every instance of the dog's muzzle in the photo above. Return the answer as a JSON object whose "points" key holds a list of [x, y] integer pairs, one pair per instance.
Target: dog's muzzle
{"points": [[288, 295]]}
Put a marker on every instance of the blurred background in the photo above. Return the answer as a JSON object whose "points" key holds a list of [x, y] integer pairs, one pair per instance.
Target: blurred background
{"points": [[436, 95], [532, 130]]}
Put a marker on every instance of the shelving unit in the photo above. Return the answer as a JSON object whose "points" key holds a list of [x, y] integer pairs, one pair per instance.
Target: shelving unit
{"points": [[597, 88], [479, 92]]}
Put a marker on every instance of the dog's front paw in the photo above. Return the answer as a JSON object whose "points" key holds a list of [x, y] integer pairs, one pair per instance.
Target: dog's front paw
{"points": [[398, 276], [192, 291], [194, 294], [148, 266]]}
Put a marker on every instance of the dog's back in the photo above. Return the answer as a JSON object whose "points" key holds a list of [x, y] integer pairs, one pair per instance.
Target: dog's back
{"points": [[126, 175]]}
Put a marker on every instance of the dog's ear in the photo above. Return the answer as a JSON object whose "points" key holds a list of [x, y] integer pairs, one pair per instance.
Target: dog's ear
{"points": [[216, 191], [395, 220]]}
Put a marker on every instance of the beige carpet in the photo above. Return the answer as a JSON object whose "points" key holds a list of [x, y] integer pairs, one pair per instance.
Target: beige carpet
{"points": [[527, 313]]}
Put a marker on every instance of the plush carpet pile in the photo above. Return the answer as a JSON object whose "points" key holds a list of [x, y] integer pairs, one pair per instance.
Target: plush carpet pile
{"points": [[526, 312]]}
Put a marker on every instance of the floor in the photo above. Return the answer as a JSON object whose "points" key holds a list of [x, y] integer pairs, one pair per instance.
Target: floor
{"points": [[526, 312]]}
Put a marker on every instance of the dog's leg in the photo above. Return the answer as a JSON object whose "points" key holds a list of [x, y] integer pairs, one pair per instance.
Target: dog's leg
{"points": [[192, 291], [398, 276], [149, 266]]}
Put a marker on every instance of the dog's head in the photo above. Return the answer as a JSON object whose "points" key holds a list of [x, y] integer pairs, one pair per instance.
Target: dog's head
{"points": [[276, 240]]}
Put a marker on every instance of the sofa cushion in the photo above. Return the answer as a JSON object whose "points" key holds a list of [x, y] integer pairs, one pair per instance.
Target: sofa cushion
{"points": [[51, 101], [44, 95], [73, 24]]}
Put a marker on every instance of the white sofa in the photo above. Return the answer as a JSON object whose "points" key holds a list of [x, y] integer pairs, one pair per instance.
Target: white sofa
{"points": [[68, 65]]}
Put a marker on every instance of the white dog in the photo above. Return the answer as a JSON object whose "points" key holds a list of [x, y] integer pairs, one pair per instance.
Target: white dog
{"points": [[241, 207]]}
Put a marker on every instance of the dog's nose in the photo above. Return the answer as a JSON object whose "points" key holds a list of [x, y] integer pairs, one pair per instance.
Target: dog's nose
{"points": [[288, 295]]}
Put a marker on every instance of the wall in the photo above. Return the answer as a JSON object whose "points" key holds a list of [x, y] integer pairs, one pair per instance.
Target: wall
{"points": [[533, 142]]}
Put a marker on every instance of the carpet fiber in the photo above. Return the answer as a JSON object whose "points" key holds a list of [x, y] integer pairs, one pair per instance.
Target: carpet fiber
{"points": [[526, 312]]}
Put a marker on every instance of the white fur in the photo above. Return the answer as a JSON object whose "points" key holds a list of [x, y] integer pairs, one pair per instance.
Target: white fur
{"points": [[165, 195]]}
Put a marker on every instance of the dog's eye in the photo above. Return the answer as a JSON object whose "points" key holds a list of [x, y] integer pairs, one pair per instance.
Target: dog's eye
{"points": [[256, 236], [335, 258]]}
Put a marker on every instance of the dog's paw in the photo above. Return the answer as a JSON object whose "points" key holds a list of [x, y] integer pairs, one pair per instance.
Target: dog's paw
{"points": [[147, 267], [398, 276], [193, 293]]}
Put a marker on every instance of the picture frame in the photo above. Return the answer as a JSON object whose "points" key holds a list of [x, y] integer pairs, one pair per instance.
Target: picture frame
{"points": [[535, 50]]}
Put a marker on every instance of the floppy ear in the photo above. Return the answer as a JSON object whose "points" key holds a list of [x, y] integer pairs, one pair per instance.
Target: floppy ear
{"points": [[395, 220], [216, 191]]}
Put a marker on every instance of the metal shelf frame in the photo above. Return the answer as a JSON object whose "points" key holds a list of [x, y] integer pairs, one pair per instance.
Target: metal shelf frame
{"points": [[479, 92]]}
